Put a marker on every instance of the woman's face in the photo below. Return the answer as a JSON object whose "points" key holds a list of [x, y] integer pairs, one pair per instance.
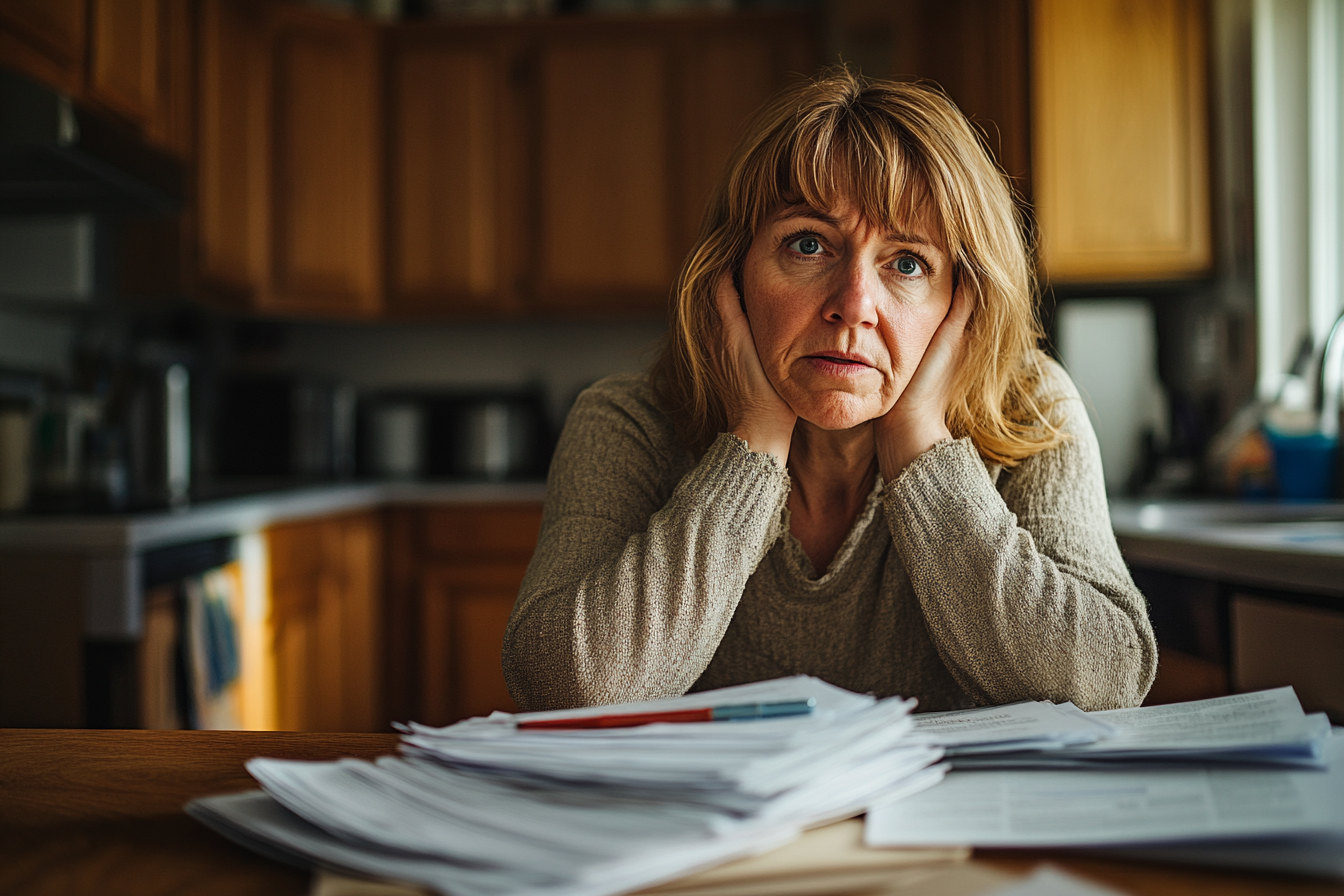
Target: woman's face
{"points": [[841, 310]]}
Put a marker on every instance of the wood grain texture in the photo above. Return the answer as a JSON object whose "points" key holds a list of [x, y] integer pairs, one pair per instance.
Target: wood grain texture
{"points": [[326, 190], [465, 608], [443, 191], [1120, 139], [46, 40], [605, 177], [99, 812], [326, 623], [232, 175], [477, 530], [126, 56]]}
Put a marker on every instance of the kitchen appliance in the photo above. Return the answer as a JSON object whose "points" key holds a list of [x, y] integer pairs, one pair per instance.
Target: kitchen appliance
{"points": [[488, 435], [284, 426], [395, 437], [151, 438]]}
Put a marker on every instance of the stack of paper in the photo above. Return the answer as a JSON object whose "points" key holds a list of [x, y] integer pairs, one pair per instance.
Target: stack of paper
{"points": [[482, 807], [1243, 780], [1266, 728], [1013, 728]]}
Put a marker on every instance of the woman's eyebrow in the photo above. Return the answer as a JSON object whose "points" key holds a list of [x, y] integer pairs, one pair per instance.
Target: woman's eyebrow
{"points": [[802, 210]]}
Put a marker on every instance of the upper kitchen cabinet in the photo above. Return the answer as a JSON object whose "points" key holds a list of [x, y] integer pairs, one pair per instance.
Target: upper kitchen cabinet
{"points": [[448, 117], [124, 57], [550, 167], [46, 39], [635, 124], [289, 163], [131, 59], [1120, 139], [605, 239]]}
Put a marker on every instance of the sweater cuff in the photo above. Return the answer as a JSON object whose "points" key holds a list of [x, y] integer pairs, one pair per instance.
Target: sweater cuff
{"points": [[946, 487], [747, 490]]}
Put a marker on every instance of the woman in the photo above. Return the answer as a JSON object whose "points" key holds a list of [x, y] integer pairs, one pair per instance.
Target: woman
{"points": [[851, 459]]}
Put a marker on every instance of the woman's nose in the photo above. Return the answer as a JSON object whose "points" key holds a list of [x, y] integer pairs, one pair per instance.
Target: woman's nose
{"points": [[852, 301]]}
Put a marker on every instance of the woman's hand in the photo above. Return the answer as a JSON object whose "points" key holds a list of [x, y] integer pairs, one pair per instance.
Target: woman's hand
{"points": [[756, 415], [918, 420]]}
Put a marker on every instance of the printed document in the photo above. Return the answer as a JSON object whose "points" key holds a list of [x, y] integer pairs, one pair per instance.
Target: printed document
{"points": [[1115, 806]]}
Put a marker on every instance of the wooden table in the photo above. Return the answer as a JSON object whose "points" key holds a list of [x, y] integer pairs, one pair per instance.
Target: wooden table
{"points": [[100, 812]]}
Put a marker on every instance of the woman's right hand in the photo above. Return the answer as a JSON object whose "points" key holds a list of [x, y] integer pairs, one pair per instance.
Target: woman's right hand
{"points": [[756, 415]]}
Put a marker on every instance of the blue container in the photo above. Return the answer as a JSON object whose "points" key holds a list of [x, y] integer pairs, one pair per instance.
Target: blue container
{"points": [[1304, 465]]}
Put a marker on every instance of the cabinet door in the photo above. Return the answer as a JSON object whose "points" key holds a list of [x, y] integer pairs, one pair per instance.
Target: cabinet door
{"points": [[606, 241], [232, 173], [724, 76], [1120, 139], [465, 608], [474, 560], [443, 189], [326, 624], [325, 192], [124, 57], [46, 40]]}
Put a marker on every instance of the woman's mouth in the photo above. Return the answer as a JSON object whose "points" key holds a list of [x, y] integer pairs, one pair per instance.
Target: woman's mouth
{"points": [[838, 363]]}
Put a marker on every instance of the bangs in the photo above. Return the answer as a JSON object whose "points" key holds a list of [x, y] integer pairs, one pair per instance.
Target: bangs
{"points": [[835, 157]]}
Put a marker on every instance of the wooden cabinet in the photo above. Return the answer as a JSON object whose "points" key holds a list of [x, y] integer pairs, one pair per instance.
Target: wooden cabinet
{"points": [[635, 124], [130, 59], [232, 251], [325, 191], [460, 169], [605, 162], [327, 624], [454, 573], [447, 126], [290, 160], [1120, 139], [124, 57], [45, 39]]}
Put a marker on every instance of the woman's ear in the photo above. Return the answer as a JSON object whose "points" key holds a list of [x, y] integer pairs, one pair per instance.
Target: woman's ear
{"points": [[737, 285]]}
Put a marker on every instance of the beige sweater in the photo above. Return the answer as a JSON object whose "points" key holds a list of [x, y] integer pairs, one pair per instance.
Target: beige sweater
{"points": [[960, 585]]}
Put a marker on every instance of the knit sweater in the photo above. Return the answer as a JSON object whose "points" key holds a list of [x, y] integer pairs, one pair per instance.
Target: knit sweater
{"points": [[960, 583]]}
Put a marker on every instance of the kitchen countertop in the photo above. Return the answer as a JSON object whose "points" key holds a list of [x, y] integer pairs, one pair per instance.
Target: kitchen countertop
{"points": [[136, 532], [1276, 545], [107, 549]]}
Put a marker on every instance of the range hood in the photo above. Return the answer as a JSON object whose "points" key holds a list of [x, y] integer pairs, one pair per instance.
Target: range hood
{"points": [[54, 160]]}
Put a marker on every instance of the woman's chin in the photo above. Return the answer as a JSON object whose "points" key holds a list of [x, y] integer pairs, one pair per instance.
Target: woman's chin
{"points": [[840, 412]]}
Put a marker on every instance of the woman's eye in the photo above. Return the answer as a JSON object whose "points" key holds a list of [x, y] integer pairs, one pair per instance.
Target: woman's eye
{"points": [[806, 245], [908, 266]]}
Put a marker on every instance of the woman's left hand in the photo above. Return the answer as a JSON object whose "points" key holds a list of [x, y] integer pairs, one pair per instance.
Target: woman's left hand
{"points": [[918, 420]]}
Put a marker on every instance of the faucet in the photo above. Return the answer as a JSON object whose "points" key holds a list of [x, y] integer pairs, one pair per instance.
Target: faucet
{"points": [[1332, 378]]}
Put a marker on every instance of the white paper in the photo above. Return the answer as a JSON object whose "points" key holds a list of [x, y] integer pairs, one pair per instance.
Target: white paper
{"points": [[1240, 721], [483, 808], [1035, 725], [1114, 806]]}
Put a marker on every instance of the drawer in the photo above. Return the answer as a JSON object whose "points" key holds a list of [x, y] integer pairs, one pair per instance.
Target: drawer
{"points": [[469, 530], [1276, 643]]}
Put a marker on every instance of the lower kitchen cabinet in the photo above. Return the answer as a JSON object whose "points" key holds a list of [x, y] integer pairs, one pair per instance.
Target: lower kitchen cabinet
{"points": [[326, 624], [454, 573]]}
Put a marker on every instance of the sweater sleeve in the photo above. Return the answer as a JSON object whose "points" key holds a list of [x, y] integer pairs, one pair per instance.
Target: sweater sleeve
{"points": [[630, 590], [1023, 588]]}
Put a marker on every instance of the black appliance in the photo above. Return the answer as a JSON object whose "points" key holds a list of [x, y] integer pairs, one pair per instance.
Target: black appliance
{"points": [[284, 426]]}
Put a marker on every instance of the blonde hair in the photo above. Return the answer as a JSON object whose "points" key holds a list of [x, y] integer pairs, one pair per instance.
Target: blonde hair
{"points": [[899, 152]]}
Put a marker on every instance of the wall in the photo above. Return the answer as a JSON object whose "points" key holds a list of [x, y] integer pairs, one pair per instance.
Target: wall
{"points": [[562, 357]]}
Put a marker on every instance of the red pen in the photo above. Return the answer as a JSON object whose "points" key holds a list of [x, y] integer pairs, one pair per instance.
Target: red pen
{"points": [[707, 714]]}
